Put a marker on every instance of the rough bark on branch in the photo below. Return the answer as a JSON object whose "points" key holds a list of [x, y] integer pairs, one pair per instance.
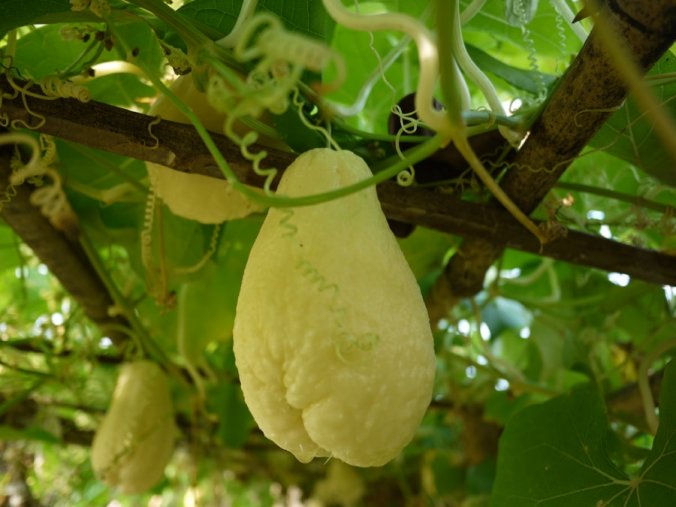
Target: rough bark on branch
{"points": [[581, 103], [65, 258], [131, 134], [476, 221], [126, 133]]}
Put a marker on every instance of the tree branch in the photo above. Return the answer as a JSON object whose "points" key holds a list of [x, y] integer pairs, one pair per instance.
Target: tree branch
{"points": [[64, 257], [476, 221], [126, 133], [582, 102]]}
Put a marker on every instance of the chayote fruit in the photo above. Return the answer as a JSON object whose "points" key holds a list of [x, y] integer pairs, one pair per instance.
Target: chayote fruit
{"points": [[332, 339], [135, 440]]}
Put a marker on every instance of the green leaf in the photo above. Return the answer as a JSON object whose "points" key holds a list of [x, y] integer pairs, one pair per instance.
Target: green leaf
{"points": [[546, 32], [206, 304], [205, 311], [32, 50], [520, 12], [305, 16], [554, 343], [9, 249], [425, 249], [657, 480], [502, 313], [448, 476], [480, 478], [296, 134], [553, 455], [502, 405], [226, 401], [636, 311], [518, 351], [629, 133], [122, 90], [8, 433], [217, 15], [184, 241], [522, 79], [16, 13], [137, 42]]}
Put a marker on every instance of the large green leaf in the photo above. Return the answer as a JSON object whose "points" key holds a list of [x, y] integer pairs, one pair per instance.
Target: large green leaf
{"points": [[304, 16], [522, 79], [629, 133], [124, 90], [636, 311], [235, 422], [10, 257], [31, 51], [206, 304], [657, 480], [16, 13], [555, 455], [137, 42], [545, 35], [425, 249]]}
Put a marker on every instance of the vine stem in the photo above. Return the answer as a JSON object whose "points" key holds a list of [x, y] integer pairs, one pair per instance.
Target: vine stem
{"points": [[503, 366], [644, 382], [568, 15], [469, 67], [414, 155], [518, 386], [449, 124], [427, 55], [140, 335], [618, 196], [471, 10], [246, 11], [22, 138], [364, 93], [192, 36], [446, 16]]}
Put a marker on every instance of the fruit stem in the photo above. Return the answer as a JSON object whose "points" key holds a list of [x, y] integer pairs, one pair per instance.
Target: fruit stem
{"points": [[193, 37], [446, 15]]}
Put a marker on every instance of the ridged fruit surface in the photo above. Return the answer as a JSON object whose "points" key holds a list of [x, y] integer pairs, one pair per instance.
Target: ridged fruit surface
{"points": [[331, 338], [135, 440]]}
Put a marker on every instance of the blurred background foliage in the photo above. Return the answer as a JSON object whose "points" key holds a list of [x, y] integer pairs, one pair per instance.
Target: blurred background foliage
{"points": [[531, 373]]}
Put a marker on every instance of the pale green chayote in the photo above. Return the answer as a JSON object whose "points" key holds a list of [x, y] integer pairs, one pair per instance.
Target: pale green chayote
{"points": [[135, 440], [332, 339], [195, 196]]}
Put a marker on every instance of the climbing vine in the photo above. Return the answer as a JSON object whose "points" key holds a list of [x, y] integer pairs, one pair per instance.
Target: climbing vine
{"points": [[445, 101]]}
